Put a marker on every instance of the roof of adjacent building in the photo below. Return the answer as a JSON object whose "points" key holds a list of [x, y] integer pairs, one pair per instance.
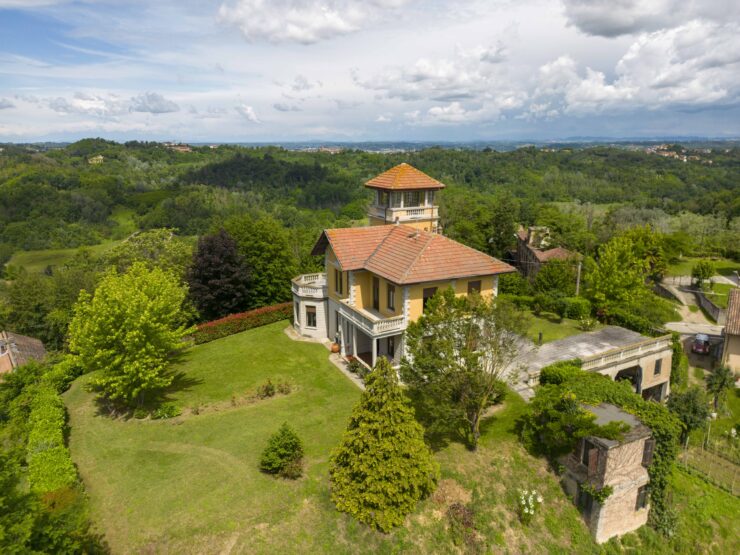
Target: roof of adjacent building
{"points": [[403, 254], [21, 348], [732, 324], [404, 177], [557, 253], [607, 413]]}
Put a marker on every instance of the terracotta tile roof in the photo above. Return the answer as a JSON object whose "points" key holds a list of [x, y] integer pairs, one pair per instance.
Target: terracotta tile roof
{"points": [[21, 348], [404, 177], [405, 255], [732, 324], [558, 253]]}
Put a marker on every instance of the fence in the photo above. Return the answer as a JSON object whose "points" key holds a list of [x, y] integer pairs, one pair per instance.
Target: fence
{"points": [[718, 314], [712, 465]]}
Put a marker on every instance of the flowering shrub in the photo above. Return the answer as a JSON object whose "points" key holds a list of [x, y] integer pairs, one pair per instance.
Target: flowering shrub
{"points": [[236, 323], [527, 505]]}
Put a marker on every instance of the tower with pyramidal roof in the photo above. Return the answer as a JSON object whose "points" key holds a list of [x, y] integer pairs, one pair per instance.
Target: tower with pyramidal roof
{"points": [[405, 195]]}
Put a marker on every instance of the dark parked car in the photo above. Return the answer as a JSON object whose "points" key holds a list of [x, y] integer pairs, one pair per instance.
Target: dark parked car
{"points": [[700, 344]]}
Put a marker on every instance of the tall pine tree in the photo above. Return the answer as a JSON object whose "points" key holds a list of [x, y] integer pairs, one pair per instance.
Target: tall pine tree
{"points": [[382, 467], [219, 277]]}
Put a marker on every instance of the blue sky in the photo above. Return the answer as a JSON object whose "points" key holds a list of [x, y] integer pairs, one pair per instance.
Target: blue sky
{"points": [[282, 70]]}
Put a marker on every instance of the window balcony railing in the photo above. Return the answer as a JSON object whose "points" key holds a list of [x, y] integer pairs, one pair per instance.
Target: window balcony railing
{"points": [[310, 285], [404, 214], [371, 323]]}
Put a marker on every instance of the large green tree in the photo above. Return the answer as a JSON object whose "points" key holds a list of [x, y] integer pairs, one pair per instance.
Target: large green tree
{"points": [[382, 467], [557, 277], [719, 382], [618, 277], [159, 248], [691, 408], [460, 352], [128, 331], [218, 277], [265, 246]]}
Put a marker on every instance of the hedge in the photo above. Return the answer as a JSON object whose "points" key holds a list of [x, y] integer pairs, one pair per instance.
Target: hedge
{"points": [[236, 323], [50, 465], [520, 301]]}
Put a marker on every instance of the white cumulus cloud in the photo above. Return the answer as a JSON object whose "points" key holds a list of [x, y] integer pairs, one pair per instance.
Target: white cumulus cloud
{"points": [[5, 104], [247, 112], [302, 21], [153, 103]]}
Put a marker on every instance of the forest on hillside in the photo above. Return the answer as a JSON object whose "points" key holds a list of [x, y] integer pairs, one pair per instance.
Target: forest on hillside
{"points": [[58, 199]]}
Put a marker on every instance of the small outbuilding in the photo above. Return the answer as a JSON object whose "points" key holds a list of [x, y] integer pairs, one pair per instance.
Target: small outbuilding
{"points": [[622, 465]]}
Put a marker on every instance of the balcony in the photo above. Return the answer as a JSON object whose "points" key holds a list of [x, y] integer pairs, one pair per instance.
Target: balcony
{"points": [[371, 322], [629, 353], [406, 214], [310, 285]]}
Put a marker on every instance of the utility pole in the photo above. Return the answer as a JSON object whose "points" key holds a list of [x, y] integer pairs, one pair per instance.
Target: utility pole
{"points": [[578, 279]]}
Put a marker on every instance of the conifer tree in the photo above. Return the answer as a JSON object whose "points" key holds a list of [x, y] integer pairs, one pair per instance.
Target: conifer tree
{"points": [[218, 277], [382, 468]]}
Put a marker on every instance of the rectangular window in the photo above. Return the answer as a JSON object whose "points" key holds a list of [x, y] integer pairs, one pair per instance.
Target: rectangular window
{"points": [[392, 347], [411, 199], [297, 313], [395, 200], [337, 323], [658, 367], [376, 293], [338, 281], [428, 294], [391, 297], [642, 498], [310, 316], [474, 286], [430, 198]]}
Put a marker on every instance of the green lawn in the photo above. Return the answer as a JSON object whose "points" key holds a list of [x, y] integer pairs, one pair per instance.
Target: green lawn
{"points": [[553, 328], [191, 484], [37, 261], [724, 266], [720, 294]]}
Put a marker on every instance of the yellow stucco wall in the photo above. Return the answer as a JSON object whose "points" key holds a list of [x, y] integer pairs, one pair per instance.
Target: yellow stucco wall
{"points": [[331, 281], [416, 291], [363, 286], [731, 354]]}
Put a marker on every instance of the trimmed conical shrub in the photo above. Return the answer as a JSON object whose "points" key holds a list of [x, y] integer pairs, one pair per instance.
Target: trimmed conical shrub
{"points": [[283, 454], [382, 468]]}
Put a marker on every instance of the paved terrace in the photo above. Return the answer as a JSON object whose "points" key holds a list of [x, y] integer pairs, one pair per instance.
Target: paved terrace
{"points": [[576, 346]]}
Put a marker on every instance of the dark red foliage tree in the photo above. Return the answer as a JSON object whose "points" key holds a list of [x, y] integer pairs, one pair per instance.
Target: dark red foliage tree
{"points": [[219, 277]]}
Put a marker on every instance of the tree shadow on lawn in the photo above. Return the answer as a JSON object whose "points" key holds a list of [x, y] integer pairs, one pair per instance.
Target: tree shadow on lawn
{"points": [[155, 399]]}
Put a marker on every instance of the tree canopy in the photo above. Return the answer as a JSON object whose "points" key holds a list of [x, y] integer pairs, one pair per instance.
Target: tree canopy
{"points": [[128, 331]]}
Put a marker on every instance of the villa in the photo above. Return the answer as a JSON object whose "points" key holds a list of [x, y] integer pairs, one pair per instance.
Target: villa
{"points": [[379, 278]]}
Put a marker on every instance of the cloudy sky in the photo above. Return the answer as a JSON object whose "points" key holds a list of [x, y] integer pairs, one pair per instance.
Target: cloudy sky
{"points": [[348, 70]]}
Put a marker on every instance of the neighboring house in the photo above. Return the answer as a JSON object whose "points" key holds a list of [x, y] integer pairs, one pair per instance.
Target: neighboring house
{"points": [[16, 350], [405, 195], [731, 333], [95, 160], [599, 462], [532, 250], [616, 352], [378, 279]]}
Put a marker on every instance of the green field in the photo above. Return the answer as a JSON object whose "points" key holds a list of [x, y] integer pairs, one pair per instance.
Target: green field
{"points": [[191, 484], [724, 266], [37, 261]]}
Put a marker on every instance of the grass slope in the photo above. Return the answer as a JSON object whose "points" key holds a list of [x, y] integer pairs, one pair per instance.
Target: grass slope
{"points": [[191, 484], [553, 328], [724, 266], [37, 261]]}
